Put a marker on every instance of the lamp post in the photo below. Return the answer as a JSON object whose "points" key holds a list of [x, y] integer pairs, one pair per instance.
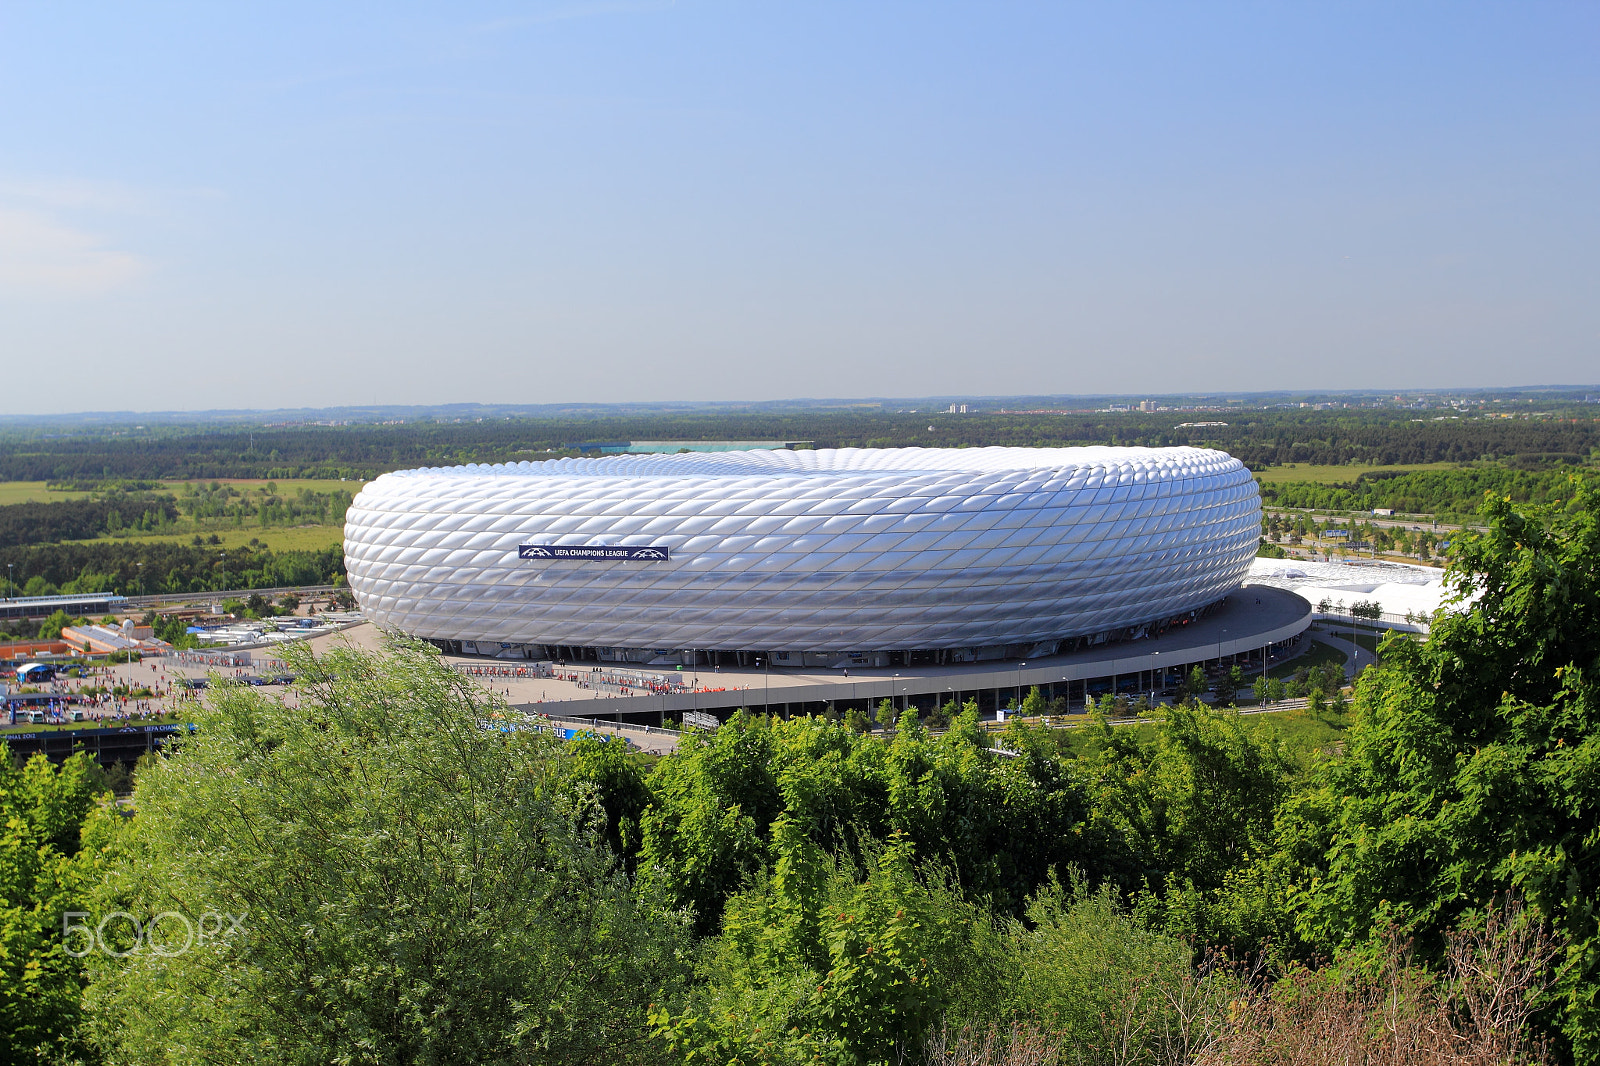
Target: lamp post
{"points": [[1020, 665]]}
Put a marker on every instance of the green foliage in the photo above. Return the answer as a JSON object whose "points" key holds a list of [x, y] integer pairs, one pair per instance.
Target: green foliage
{"points": [[1195, 804], [411, 886], [617, 776], [50, 628], [1000, 823], [1471, 766], [1455, 492], [1102, 980], [815, 964], [1226, 689], [48, 866], [161, 566], [42, 523]]}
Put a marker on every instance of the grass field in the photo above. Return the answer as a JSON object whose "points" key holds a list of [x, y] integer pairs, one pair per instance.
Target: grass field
{"points": [[1304, 733], [278, 538], [35, 491], [1329, 475], [1316, 655], [285, 488]]}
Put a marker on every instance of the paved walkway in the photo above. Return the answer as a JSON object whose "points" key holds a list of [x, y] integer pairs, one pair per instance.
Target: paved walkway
{"points": [[1357, 658]]}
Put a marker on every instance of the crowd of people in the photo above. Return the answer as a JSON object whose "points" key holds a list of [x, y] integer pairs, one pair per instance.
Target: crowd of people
{"points": [[92, 696]]}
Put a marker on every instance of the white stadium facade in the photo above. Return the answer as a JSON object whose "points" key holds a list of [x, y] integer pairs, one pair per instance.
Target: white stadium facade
{"points": [[826, 558]]}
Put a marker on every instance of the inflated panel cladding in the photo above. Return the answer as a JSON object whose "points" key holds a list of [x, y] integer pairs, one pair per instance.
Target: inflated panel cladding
{"points": [[853, 549]]}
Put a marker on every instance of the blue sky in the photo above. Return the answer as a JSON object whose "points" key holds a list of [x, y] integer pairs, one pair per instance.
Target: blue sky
{"points": [[231, 205]]}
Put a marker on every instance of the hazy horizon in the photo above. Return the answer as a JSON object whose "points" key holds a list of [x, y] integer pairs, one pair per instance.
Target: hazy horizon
{"points": [[228, 208]]}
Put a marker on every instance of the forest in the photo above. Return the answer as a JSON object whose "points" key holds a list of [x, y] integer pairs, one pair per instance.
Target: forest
{"points": [[1446, 494], [44, 523], [1209, 888], [1260, 438], [146, 567]]}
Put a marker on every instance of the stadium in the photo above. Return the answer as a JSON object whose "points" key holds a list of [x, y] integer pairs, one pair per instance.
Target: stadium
{"points": [[826, 558]]}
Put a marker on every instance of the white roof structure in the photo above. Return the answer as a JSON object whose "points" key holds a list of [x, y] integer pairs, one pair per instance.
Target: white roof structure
{"points": [[807, 550], [1398, 588]]}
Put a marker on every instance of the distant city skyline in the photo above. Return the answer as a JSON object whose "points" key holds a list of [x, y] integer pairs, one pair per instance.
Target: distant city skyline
{"points": [[228, 208], [1510, 399]]}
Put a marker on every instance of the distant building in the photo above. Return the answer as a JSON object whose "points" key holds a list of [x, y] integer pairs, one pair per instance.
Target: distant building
{"points": [[75, 606], [103, 640]]}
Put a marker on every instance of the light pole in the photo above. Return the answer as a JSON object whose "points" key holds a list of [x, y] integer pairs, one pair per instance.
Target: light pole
{"points": [[1020, 665]]}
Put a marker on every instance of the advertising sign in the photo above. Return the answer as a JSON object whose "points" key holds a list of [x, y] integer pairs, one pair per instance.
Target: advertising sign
{"points": [[652, 553]]}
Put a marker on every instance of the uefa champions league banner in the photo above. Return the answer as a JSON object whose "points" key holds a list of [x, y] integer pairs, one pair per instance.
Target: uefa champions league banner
{"points": [[654, 553]]}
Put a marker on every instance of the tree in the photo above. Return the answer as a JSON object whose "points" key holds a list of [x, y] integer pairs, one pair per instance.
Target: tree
{"points": [[1000, 823], [50, 628], [1195, 803], [817, 965], [1470, 771], [48, 867], [1197, 683], [857, 721], [453, 880], [1276, 690], [1227, 687], [1261, 689]]}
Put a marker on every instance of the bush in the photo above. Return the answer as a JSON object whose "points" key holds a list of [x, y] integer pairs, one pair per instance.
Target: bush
{"points": [[425, 889], [1107, 984], [819, 963]]}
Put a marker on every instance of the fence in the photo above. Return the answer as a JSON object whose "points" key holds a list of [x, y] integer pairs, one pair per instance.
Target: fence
{"points": [[597, 724], [213, 658], [542, 668]]}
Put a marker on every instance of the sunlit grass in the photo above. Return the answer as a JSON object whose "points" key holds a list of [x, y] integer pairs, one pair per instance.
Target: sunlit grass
{"points": [[277, 538], [36, 492], [1329, 475], [33, 492]]}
